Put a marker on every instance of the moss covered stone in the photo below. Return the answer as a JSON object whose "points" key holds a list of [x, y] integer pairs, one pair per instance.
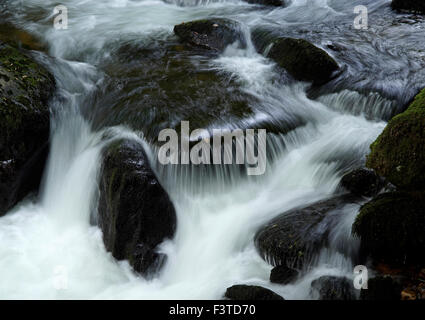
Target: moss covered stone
{"points": [[391, 228], [303, 60], [399, 152], [409, 5], [25, 88]]}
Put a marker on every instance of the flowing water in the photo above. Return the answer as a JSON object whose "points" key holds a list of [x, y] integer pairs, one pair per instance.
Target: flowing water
{"points": [[49, 248]]}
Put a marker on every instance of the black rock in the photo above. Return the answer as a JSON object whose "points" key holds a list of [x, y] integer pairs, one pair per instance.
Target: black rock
{"points": [[245, 292], [283, 275], [417, 6], [333, 288], [381, 288], [391, 228], [362, 182], [292, 238], [25, 88], [135, 212], [211, 34], [303, 60], [275, 3]]}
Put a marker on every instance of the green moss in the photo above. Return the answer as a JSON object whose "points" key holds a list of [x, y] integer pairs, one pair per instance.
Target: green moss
{"points": [[391, 228], [399, 152]]}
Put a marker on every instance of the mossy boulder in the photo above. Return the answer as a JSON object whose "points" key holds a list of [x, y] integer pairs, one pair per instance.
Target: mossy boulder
{"points": [[25, 88], [409, 5], [303, 60], [399, 152], [391, 228], [245, 292], [135, 212], [332, 288], [293, 238], [212, 34]]}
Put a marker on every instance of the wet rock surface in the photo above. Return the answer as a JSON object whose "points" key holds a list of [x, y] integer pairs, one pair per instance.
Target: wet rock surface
{"points": [[303, 60], [245, 292], [283, 275], [25, 89], [362, 182], [135, 212], [333, 288], [292, 238], [212, 34]]}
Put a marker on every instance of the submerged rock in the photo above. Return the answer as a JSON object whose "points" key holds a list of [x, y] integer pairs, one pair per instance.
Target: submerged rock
{"points": [[135, 212], [381, 288], [391, 228], [333, 288], [245, 292], [292, 238], [409, 5], [25, 88], [399, 152], [362, 182], [283, 275], [303, 60], [211, 34], [141, 91]]}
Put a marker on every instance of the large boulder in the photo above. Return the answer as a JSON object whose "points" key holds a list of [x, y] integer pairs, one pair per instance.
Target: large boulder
{"points": [[332, 288], [245, 292], [293, 238], [211, 34], [135, 212], [399, 152], [362, 182], [391, 228], [409, 5], [25, 88], [303, 60]]}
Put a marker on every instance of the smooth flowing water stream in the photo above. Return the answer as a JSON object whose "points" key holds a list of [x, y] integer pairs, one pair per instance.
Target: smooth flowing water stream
{"points": [[50, 250]]}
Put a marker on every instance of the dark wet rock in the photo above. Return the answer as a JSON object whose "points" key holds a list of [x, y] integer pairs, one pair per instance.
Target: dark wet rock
{"points": [[25, 88], [381, 288], [362, 182], [417, 6], [135, 212], [275, 3], [283, 275], [391, 228], [245, 292], [211, 34], [399, 152], [333, 288], [292, 238], [263, 38], [303, 60]]}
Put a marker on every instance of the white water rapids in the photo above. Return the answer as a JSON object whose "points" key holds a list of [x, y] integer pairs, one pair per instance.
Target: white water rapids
{"points": [[49, 249]]}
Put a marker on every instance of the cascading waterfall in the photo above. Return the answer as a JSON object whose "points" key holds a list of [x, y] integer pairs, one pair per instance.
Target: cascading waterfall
{"points": [[50, 240]]}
